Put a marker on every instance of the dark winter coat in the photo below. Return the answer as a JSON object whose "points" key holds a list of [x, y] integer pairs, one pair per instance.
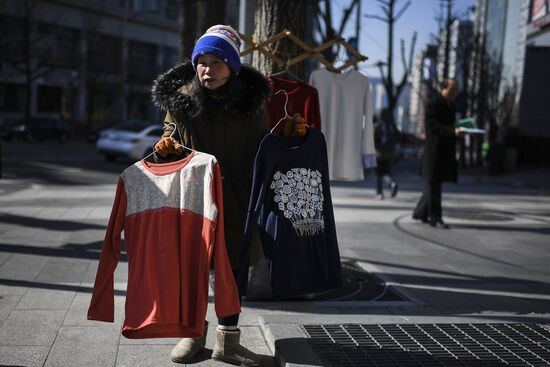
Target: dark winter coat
{"points": [[228, 123], [439, 159]]}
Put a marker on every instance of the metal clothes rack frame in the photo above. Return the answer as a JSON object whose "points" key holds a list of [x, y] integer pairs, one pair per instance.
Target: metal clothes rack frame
{"points": [[308, 51]]}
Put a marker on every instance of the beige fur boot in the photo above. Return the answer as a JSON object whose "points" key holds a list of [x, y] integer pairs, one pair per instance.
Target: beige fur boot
{"points": [[228, 349], [188, 348]]}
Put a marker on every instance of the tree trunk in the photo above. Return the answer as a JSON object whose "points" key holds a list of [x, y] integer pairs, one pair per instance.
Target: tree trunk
{"points": [[273, 17], [188, 30], [389, 82], [197, 17], [28, 59]]}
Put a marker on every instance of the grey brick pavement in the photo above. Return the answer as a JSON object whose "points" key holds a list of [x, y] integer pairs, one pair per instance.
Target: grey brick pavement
{"points": [[52, 224]]}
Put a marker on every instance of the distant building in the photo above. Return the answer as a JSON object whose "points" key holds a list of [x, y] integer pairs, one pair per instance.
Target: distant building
{"points": [[460, 53], [422, 82], [91, 61], [533, 68], [513, 36], [533, 78]]}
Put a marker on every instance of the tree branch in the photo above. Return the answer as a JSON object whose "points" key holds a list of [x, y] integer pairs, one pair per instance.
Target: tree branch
{"points": [[382, 74], [345, 18], [411, 55], [376, 17], [400, 12], [403, 60]]}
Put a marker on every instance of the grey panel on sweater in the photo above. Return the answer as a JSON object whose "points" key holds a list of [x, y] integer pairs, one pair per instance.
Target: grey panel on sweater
{"points": [[189, 188]]}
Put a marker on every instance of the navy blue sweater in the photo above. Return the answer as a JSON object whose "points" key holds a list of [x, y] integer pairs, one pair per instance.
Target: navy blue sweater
{"points": [[291, 203]]}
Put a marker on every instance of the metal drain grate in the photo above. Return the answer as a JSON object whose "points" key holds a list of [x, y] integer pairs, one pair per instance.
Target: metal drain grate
{"points": [[488, 345], [483, 217]]}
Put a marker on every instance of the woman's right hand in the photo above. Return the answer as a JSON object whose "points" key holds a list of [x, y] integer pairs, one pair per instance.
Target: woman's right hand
{"points": [[168, 145]]}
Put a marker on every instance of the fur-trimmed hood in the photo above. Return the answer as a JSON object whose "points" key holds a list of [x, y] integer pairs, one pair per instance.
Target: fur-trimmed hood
{"points": [[179, 91]]}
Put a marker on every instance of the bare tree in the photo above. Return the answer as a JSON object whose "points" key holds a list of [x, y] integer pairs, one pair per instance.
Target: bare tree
{"points": [[197, 17], [327, 30], [272, 17], [390, 17]]}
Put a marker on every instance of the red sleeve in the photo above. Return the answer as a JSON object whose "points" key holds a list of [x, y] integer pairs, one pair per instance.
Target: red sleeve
{"points": [[102, 306], [226, 296]]}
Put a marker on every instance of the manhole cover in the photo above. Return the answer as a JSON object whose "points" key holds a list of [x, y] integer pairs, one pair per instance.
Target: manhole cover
{"points": [[483, 217], [360, 285], [487, 345]]}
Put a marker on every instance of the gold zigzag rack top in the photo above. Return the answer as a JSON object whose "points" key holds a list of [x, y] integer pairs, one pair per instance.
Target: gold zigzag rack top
{"points": [[308, 50]]}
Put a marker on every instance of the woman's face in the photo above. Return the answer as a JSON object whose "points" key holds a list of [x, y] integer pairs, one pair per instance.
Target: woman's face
{"points": [[212, 72]]}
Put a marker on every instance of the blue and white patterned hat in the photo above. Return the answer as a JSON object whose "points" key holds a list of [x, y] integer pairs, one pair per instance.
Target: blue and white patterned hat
{"points": [[221, 41]]}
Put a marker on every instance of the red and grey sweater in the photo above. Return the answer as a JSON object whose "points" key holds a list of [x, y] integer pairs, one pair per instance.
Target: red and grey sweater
{"points": [[172, 218]]}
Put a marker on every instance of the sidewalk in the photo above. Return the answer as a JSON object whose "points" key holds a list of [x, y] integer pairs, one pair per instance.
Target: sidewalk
{"points": [[491, 267]]}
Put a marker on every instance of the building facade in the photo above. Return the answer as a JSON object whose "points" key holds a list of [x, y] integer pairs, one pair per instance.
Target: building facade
{"points": [[89, 62]]}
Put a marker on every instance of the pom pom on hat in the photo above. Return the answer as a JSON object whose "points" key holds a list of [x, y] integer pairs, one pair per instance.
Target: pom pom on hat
{"points": [[221, 41]]}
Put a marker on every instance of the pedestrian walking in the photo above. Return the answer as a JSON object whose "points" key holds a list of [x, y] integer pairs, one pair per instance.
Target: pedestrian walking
{"points": [[439, 159], [386, 139], [218, 106]]}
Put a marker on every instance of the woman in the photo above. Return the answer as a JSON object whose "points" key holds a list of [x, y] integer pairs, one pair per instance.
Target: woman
{"points": [[219, 107]]}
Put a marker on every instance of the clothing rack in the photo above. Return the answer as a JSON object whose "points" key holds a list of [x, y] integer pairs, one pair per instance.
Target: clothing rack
{"points": [[308, 50]]}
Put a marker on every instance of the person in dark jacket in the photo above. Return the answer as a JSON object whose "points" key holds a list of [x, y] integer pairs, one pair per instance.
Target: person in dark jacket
{"points": [[439, 158], [386, 139], [218, 107]]}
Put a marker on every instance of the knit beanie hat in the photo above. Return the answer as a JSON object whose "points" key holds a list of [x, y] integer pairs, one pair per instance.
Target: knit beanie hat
{"points": [[221, 41]]}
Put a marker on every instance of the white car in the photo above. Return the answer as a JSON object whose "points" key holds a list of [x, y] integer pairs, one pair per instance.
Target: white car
{"points": [[129, 140]]}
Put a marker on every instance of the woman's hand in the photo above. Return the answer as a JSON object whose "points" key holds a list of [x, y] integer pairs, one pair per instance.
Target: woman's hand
{"points": [[168, 145], [295, 126]]}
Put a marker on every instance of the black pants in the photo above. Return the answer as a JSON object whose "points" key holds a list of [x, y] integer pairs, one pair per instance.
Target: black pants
{"points": [[383, 169], [232, 320], [429, 205]]}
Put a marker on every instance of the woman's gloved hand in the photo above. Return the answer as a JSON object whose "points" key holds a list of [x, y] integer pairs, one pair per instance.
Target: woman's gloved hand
{"points": [[168, 145], [295, 126]]}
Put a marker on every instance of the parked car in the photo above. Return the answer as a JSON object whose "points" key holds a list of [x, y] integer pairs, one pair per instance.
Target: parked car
{"points": [[131, 140], [36, 128]]}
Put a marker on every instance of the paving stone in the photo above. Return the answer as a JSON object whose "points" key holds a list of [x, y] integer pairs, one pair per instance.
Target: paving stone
{"points": [[144, 356], [84, 346], [47, 298], [31, 327], [60, 270], [7, 304], [18, 272], [28, 356], [253, 337]]}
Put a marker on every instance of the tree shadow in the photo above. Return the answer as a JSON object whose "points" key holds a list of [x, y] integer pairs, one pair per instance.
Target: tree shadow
{"points": [[49, 224], [89, 251], [52, 286]]}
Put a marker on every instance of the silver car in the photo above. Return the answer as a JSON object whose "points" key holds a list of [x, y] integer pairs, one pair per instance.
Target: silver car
{"points": [[129, 140]]}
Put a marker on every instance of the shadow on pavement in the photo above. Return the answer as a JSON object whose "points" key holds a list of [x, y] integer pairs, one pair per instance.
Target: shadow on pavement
{"points": [[52, 286], [483, 227], [89, 251], [49, 224]]}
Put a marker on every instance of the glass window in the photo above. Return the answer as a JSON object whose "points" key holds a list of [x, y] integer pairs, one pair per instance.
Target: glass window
{"points": [[57, 46], [170, 58], [12, 97], [49, 99], [104, 53], [142, 58], [11, 39], [172, 10]]}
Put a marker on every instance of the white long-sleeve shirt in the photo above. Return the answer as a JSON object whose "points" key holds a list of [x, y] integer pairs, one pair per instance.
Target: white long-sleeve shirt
{"points": [[346, 112]]}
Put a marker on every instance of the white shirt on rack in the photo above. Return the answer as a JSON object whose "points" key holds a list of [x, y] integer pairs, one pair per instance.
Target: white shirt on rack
{"points": [[346, 112]]}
